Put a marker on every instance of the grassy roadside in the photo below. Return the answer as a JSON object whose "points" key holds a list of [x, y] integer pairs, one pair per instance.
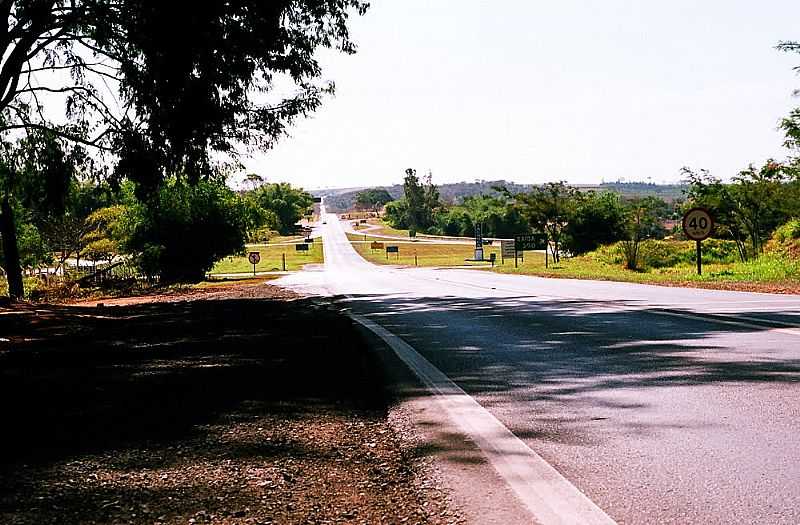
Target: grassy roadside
{"points": [[271, 259], [427, 253], [384, 229], [767, 274]]}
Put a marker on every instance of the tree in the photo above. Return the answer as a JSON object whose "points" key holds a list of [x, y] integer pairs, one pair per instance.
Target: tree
{"points": [[643, 223], [549, 209], [372, 199], [190, 227], [164, 87], [397, 213], [36, 173], [748, 210], [598, 218], [288, 204], [415, 201]]}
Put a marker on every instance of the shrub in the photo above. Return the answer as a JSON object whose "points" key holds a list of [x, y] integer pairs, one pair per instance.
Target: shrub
{"points": [[187, 228], [662, 254]]}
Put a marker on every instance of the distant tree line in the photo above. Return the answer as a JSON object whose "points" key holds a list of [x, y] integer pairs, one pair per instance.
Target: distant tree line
{"points": [[574, 221]]}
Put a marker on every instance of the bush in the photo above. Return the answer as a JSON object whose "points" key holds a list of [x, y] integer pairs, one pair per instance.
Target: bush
{"points": [[186, 228], [786, 239], [662, 254]]}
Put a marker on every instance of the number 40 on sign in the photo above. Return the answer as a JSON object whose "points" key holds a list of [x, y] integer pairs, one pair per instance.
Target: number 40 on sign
{"points": [[698, 225]]}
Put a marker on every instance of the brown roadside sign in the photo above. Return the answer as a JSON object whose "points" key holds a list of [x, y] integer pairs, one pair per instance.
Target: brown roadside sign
{"points": [[698, 224], [376, 245]]}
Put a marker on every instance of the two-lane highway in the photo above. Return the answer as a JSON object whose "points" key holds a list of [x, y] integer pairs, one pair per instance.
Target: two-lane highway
{"points": [[662, 405]]}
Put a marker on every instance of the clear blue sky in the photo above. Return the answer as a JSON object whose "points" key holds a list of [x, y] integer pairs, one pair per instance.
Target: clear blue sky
{"points": [[532, 91]]}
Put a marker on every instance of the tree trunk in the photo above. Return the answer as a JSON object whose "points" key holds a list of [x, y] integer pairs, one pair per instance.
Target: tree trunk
{"points": [[8, 231]]}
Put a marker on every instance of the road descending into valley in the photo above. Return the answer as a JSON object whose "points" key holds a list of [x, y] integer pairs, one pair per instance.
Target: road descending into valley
{"points": [[661, 405]]}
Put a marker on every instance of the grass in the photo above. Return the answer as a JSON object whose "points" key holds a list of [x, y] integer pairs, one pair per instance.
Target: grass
{"points": [[771, 271], [385, 229], [271, 259], [427, 254], [767, 269]]}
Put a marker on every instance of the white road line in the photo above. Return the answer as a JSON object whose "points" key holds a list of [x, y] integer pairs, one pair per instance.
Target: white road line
{"points": [[548, 495]]}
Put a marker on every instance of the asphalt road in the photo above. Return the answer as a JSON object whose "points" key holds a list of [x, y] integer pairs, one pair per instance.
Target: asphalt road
{"points": [[662, 405]]}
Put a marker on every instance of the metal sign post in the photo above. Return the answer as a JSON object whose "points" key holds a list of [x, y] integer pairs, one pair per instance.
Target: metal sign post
{"points": [[507, 251], [254, 258], [698, 225]]}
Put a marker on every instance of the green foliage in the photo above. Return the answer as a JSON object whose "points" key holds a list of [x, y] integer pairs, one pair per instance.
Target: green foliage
{"points": [[397, 214], [418, 207], [788, 232], [104, 236], [749, 208], [372, 199], [418, 216], [655, 253], [598, 218], [548, 209], [186, 228], [642, 223], [283, 205]]}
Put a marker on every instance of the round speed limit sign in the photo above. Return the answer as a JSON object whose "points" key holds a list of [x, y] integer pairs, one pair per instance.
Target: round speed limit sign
{"points": [[697, 224]]}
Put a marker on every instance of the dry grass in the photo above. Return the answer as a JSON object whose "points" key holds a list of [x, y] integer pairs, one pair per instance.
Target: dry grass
{"points": [[419, 253]]}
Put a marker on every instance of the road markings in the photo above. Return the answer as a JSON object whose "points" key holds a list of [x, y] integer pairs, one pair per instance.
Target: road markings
{"points": [[548, 495]]}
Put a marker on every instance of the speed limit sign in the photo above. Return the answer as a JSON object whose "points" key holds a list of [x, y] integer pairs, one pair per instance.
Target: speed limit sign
{"points": [[698, 224]]}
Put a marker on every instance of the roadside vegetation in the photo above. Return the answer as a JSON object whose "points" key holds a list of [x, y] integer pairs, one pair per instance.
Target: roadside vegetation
{"points": [[109, 174]]}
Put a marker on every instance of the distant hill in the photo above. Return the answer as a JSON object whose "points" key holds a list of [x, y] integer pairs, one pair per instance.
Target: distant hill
{"points": [[341, 200], [452, 193]]}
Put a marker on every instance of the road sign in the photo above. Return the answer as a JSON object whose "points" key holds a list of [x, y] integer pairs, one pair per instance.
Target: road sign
{"points": [[698, 224], [392, 249], [254, 258], [530, 241], [308, 239], [376, 245], [507, 249], [301, 247]]}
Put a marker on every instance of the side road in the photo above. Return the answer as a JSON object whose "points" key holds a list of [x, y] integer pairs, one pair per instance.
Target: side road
{"points": [[246, 405]]}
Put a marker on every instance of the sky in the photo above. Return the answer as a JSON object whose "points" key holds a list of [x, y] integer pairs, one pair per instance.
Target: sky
{"points": [[532, 91]]}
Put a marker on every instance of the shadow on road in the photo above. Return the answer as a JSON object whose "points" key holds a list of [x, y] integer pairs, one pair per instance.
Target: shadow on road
{"points": [[577, 365]]}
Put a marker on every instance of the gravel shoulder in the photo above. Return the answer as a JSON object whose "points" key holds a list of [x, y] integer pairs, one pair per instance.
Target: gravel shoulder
{"points": [[243, 404]]}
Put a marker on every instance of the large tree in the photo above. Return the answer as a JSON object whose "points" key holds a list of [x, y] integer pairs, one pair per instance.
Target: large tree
{"points": [[163, 88], [549, 208]]}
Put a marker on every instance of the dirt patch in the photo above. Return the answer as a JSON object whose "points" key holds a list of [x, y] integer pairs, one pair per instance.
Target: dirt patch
{"points": [[228, 406]]}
